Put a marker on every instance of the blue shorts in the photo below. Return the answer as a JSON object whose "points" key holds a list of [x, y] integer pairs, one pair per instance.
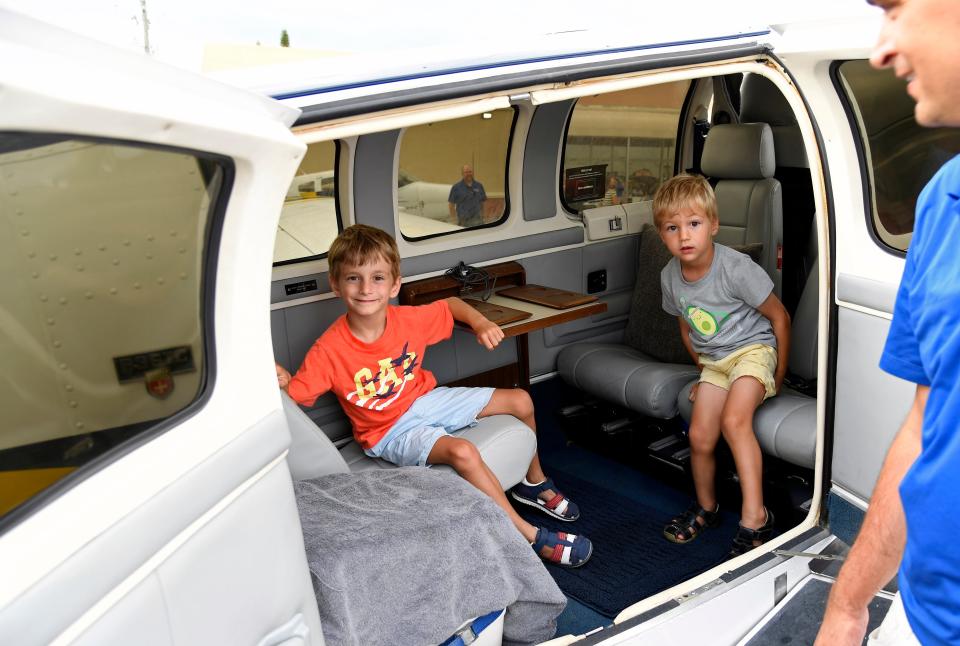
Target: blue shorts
{"points": [[433, 415]]}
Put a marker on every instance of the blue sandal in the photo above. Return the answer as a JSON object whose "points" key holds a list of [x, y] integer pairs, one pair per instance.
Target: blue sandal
{"points": [[567, 550], [559, 506]]}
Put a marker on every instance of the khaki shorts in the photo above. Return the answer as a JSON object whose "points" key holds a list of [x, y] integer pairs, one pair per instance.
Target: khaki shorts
{"points": [[758, 361]]}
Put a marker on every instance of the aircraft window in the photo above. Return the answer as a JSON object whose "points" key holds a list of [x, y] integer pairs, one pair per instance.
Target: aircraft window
{"points": [[309, 219], [901, 155], [453, 174], [620, 146], [102, 335]]}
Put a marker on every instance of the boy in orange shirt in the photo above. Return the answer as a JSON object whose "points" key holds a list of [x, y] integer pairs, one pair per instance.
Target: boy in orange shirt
{"points": [[371, 358]]}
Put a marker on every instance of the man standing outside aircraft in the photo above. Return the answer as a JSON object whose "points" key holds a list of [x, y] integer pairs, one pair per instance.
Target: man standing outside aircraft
{"points": [[466, 200], [913, 513]]}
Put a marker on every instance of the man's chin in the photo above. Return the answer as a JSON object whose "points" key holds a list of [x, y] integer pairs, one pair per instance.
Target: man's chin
{"points": [[934, 117]]}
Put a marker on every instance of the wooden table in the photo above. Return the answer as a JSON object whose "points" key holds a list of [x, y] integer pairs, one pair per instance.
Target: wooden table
{"points": [[507, 274]]}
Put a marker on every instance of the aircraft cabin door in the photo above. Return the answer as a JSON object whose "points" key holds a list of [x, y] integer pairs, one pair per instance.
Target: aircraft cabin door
{"points": [[144, 491]]}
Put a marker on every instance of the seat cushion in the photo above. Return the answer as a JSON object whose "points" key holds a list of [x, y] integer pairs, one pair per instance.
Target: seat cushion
{"points": [[785, 425], [506, 444], [311, 454], [617, 373]]}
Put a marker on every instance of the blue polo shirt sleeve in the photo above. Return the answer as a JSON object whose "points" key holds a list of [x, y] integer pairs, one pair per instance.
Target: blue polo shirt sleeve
{"points": [[901, 354]]}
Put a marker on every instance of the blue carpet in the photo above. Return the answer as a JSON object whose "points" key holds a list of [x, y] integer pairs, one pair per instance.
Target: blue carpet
{"points": [[623, 512], [631, 559]]}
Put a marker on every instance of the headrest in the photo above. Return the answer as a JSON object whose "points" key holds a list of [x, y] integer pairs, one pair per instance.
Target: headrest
{"points": [[739, 151], [761, 100]]}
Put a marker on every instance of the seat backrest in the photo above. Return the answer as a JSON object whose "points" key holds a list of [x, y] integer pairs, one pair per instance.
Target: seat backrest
{"points": [[312, 454], [762, 101], [741, 160], [803, 329]]}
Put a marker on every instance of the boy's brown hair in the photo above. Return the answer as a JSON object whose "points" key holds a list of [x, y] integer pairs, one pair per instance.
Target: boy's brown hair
{"points": [[680, 191], [361, 244]]}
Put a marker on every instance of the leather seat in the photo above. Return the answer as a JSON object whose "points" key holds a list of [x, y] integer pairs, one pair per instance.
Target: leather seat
{"points": [[622, 375], [741, 158], [786, 425], [506, 444], [762, 101]]}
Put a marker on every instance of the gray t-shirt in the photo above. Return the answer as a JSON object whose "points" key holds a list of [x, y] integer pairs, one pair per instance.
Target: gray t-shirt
{"points": [[721, 307]]}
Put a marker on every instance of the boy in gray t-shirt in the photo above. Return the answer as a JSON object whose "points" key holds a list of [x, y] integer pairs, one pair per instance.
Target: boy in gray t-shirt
{"points": [[733, 326]]}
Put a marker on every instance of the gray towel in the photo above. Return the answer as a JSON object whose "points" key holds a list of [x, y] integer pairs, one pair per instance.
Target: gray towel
{"points": [[405, 556]]}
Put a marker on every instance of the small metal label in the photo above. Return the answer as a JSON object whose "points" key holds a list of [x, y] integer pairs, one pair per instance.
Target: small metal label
{"points": [[300, 288], [135, 367]]}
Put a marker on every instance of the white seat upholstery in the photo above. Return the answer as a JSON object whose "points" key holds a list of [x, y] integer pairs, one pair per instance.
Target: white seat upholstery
{"points": [[506, 444]]}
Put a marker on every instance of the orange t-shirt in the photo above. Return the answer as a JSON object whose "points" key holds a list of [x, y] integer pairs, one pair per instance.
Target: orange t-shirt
{"points": [[375, 382]]}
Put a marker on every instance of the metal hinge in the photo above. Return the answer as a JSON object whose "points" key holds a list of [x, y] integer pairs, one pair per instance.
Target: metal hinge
{"points": [[810, 555]]}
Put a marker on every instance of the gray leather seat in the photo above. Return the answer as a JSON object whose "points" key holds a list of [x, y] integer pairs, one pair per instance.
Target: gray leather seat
{"points": [[506, 444], [622, 375], [762, 101], [741, 156], [741, 159], [786, 425]]}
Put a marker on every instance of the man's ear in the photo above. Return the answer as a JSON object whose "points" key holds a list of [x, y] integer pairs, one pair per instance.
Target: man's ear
{"points": [[396, 287]]}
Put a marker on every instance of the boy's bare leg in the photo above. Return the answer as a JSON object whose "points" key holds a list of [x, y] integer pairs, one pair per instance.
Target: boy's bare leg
{"points": [[736, 423], [517, 402], [466, 460], [704, 434]]}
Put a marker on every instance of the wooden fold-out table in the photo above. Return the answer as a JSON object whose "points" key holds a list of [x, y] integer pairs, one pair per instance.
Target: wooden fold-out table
{"points": [[518, 316]]}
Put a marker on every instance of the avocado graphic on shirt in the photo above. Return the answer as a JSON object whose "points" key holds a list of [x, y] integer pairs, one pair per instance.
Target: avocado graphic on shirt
{"points": [[706, 323], [702, 321]]}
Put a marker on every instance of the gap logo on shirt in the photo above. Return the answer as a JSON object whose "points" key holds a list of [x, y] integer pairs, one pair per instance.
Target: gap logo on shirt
{"points": [[382, 389]]}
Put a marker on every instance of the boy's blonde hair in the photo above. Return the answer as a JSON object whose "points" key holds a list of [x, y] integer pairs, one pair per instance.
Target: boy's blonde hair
{"points": [[680, 191], [361, 244]]}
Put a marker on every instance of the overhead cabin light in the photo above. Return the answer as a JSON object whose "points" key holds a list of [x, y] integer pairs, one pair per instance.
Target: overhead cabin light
{"points": [[488, 115]]}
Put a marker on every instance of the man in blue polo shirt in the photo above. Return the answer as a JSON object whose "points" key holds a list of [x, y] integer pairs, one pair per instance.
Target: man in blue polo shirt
{"points": [[914, 515], [466, 200]]}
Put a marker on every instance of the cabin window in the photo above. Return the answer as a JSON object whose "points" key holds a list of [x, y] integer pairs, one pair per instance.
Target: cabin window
{"points": [[452, 175], [900, 155], [101, 332], [310, 217], [620, 146]]}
